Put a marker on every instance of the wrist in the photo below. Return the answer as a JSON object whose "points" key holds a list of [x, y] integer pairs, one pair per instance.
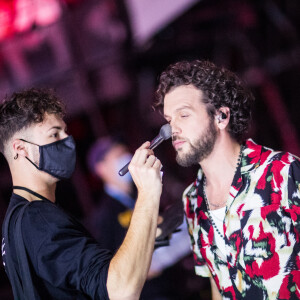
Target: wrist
{"points": [[148, 200]]}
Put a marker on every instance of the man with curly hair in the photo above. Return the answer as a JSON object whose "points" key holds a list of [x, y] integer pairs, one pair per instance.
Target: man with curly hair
{"points": [[47, 254], [243, 208]]}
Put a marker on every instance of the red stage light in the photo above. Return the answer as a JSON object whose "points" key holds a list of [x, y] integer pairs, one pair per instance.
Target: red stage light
{"points": [[21, 15], [7, 13]]}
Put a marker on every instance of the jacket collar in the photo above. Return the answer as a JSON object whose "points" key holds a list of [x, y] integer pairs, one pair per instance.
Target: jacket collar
{"points": [[251, 157]]}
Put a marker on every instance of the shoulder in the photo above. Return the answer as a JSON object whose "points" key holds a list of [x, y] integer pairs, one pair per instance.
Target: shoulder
{"points": [[280, 165], [44, 210], [44, 217], [257, 155], [294, 170], [277, 160], [282, 161]]}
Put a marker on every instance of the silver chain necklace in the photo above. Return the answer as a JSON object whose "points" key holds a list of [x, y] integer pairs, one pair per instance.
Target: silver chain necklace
{"points": [[205, 197]]}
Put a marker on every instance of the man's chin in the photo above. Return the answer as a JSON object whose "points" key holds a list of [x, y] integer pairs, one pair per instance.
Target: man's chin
{"points": [[182, 161], [183, 149]]}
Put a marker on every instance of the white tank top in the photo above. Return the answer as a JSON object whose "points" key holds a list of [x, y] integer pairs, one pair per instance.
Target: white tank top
{"points": [[218, 216]]}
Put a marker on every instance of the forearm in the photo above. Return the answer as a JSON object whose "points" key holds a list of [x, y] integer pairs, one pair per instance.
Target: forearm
{"points": [[129, 268], [215, 294]]}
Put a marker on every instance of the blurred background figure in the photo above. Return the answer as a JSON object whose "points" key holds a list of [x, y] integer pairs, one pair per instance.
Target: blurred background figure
{"points": [[109, 221]]}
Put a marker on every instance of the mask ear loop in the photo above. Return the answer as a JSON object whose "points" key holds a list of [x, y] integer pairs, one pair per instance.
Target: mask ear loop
{"points": [[29, 142], [17, 155], [32, 163], [26, 156]]}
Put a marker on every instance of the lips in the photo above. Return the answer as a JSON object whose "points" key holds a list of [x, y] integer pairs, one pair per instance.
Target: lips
{"points": [[178, 143]]}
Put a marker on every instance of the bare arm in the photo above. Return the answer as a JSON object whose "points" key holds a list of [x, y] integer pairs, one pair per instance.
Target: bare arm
{"points": [[214, 290], [129, 267]]}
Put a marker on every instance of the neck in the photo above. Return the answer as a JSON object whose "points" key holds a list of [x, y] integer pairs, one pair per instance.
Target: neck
{"points": [[123, 187], [220, 166], [35, 184], [50, 195], [25, 175]]}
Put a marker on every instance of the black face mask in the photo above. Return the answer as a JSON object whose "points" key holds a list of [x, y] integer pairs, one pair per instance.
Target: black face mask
{"points": [[57, 159]]}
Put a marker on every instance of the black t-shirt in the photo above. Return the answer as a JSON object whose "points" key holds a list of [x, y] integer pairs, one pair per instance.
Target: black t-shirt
{"points": [[64, 261]]}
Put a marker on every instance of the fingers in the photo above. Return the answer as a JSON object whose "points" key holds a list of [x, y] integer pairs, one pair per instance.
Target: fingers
{"points": [[145, 168], [142, 153], [150, 160], [142, 157], [157, 164]]}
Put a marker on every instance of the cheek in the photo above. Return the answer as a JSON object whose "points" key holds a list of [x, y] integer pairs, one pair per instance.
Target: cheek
{"points": [[193, 132]]}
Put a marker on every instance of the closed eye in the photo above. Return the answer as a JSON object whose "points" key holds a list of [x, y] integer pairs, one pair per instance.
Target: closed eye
{"points": [[55, 135]]}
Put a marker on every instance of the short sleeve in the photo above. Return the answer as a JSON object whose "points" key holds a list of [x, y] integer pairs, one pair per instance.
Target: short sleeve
{"points": [[294, 193], [62, 252]]}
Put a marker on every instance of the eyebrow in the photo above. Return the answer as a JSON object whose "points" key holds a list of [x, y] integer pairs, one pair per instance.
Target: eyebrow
{"points": [[180, 108], [58, 128]]}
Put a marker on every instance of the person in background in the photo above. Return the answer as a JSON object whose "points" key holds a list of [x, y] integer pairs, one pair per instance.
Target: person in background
{"points": [[47, 254], [109, 222], [243, 208]]}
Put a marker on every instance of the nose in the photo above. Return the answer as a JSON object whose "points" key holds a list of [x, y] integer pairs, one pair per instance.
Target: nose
{"points": [[175, 128], [64, 135]]}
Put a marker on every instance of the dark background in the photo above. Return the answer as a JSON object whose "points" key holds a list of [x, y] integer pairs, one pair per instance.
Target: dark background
{"points": [[96, 56]]}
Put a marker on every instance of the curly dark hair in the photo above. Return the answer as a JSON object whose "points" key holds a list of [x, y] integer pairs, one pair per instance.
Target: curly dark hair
{"points": [[220, 87], [25, 108]]}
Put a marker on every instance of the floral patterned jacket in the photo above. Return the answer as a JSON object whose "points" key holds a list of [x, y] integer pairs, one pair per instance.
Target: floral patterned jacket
{"points": [[261, 228]]}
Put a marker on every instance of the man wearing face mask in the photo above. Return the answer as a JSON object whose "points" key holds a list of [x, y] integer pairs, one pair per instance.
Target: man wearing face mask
{"points": [[47, 254]]}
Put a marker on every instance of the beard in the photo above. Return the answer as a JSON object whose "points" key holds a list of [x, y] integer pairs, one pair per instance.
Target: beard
{"points": [[200, 149]]}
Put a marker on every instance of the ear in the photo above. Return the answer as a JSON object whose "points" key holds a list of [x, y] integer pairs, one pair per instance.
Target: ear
{"points": [[222, 117], [19, 148], [100, 168]]}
